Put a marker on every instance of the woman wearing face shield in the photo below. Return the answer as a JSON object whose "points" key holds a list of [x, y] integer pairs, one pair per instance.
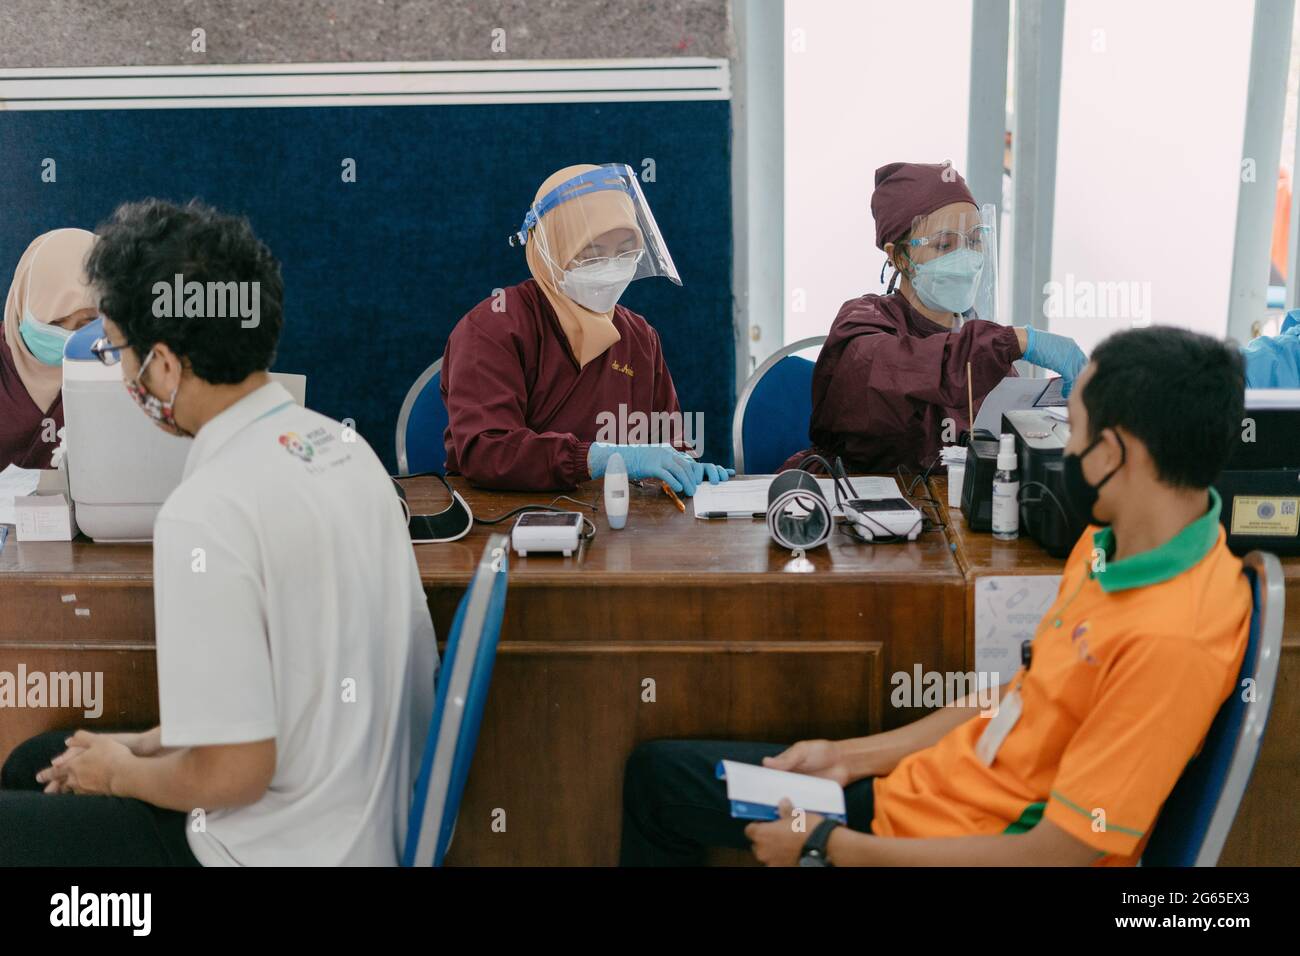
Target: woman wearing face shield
{"points": [[537, 378], [48, 300], [890, 385]]}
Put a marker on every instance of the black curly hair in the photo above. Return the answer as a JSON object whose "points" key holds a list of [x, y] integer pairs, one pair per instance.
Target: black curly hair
{"points": [[1181, 393], [153, 241]]}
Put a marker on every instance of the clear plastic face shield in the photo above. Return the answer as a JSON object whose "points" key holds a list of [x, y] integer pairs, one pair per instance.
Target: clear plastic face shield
{"points": [[951, 259], [595, 234]]}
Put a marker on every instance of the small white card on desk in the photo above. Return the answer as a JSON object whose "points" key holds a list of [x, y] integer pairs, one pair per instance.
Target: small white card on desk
{"points": [[44, 518], [755, 792]]}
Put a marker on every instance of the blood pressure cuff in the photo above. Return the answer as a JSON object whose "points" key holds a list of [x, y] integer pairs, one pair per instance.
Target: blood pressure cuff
{"points": [[798, 514]]}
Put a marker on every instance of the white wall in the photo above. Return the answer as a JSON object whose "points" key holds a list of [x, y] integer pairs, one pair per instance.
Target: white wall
{"points": [[1153, 100], [877, 82]]}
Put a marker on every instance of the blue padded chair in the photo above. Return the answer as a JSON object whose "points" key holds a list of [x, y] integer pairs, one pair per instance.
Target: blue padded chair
{"points": [[1195, 820], [421, 424], [463, 681], [772, 414]]}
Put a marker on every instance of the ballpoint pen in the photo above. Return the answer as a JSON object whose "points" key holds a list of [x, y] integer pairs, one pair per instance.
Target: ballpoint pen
{"points": [[668, 490]]}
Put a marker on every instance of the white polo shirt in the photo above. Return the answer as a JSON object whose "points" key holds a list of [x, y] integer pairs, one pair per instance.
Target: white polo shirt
{"points": [[289, 606]]}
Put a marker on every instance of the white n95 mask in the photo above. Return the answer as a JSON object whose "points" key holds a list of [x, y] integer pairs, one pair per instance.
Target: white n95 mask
{"points": [[598, 286]]}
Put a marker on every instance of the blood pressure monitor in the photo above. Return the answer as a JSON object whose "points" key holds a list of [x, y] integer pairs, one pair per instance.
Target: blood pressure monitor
{"points": [[547, 531], [883, 518]]}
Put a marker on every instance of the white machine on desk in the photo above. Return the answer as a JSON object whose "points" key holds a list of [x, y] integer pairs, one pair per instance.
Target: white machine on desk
{"points": [[885, 518], [121, 467], [878, 511], [547, 531]]}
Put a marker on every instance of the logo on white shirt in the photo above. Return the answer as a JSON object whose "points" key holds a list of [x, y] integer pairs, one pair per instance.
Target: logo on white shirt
{"points": [[298, 446]]}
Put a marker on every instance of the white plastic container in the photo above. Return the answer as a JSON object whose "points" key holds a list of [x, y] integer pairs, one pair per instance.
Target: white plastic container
{"points": [[1006, 491], [956, 475], [616, 492]]}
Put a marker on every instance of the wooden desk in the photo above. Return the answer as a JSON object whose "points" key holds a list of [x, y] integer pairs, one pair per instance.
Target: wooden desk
{"points": [[1267, 829], [672, 627]]}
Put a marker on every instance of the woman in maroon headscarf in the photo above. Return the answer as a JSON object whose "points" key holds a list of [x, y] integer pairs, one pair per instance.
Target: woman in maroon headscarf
{"points": [[48, 300], [893, 371]]}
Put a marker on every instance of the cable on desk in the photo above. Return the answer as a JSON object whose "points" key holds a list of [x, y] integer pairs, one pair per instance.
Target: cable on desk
{"points": [[1039, 500], [522, 508], [922, 501], [548, 507]]}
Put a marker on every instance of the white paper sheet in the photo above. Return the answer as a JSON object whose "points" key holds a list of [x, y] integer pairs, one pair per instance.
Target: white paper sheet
{"points": [[746, 497], [749, 783], [1015, 392], [1007, 611], [15, 482]]}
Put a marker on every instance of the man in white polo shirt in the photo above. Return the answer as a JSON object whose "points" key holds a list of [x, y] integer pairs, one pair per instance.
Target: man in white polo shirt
{"points": [[296, 655]]}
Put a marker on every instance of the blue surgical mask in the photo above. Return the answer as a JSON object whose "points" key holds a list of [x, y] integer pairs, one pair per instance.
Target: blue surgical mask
{"points": [[43, 340], [948, 283]]}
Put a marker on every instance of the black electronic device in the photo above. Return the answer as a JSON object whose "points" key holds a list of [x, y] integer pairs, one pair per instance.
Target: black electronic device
{"points": [[977, 485], [1260, 484], [1045, 515]]}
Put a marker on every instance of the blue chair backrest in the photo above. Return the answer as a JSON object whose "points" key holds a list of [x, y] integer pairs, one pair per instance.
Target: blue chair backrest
{"points": [[774, 410], [421, 425], [463, 682], [1195, 820]]}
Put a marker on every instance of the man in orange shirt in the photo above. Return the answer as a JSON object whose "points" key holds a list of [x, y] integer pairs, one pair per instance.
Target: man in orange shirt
{"points": [[1126, 672]]}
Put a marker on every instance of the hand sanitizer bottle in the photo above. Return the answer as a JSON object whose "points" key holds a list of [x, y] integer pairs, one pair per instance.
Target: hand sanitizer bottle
{"points": [[1006, 492]]}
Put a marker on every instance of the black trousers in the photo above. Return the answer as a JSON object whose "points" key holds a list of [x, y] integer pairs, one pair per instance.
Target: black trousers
{"points": [[63, 829], [675, 807]]}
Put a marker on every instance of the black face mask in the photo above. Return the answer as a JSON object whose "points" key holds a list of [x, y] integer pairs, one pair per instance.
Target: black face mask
{"points": [[1080, 497]]}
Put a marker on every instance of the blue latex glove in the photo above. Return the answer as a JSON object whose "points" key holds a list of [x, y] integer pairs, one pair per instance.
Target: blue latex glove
{"points": [[1058, 353], [682, 473]]}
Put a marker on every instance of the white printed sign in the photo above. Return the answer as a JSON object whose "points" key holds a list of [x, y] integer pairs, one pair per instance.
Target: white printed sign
{"points": [[1007, 611]]}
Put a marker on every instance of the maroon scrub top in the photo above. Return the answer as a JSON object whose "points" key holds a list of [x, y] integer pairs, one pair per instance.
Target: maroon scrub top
{"points": [[887, 378], [22, 424], [522, 413]]}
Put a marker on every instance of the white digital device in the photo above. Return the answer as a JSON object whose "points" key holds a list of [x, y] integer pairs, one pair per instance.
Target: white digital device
{"points": [[121, 467], [616, 492], [883, 517], [547, 531]]}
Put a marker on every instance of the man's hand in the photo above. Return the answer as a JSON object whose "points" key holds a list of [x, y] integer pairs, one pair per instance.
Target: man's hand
{"points": [[54, 775], [87, 766], [778, 843], [146, 743], [817, 758]]}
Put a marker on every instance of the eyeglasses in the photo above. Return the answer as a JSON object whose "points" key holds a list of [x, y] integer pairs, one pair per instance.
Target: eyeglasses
{"points": [[632, 255], [948, 240], [106, 351]]}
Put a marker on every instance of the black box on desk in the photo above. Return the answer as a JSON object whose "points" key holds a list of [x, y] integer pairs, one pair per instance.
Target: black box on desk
{"points": [[977, 485], [1045, 515], [1260, 485]]}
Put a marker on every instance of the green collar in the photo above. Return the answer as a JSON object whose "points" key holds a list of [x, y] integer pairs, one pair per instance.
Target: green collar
{"points": [[1159, 564]]}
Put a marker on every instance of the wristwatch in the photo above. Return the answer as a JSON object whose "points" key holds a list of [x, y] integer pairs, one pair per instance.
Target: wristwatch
{"points": [[814, 848]]}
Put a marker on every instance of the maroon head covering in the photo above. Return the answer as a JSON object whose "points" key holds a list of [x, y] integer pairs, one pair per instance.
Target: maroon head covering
{"points": [[905, 191]]}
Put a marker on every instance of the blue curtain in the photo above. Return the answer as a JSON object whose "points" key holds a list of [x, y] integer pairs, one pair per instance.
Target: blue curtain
{"points": [[378, 271]]}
